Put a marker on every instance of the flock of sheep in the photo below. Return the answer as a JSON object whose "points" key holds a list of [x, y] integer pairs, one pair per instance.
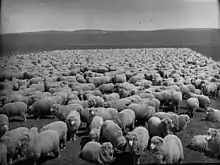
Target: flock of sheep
{"points": [[129, 100]]}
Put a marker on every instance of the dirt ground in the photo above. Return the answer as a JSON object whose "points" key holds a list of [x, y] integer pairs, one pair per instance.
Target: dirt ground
{"points": [[69, 156]]}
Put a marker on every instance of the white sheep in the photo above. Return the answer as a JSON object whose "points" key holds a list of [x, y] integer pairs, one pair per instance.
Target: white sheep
{"points": [[198, 143], [138, 141], [180, 121], [61, 129], [95, 128], [159, 127], [113, 133], [192, 105], [105, 113], [125, 118], [168, 150], [213, 139], [97, 153], [212, 114]]}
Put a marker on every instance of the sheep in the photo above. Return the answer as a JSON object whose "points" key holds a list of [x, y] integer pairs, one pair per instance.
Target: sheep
{"points": [[135, 99], [73, 122], [136, 78], [4, 124], [125, 118], [82, 86], [95, 128], [3, 154], [212, 114], [176, 98], [137, 141], [105, 113], [97, 81], [61, 129], [12, 140], [41, 107], [119, 78], [198, 143], [106, 88], [213, 139], [163, 96], [159, 127], [113, 133], [168, 150], [110, 97], [152, 102], [204, 101], [192, 105], [61, 112], [180, 121], [125, 93], [15, 109], [83, 95], [84, 104], [97, 153], [96, 101], [39, 144], [119, 104], [142, 112]]}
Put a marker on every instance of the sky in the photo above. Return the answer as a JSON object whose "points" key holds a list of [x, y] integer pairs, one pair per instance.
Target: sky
{"points": [[69, 15]]}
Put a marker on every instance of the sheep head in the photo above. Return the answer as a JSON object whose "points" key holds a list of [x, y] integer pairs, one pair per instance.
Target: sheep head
{"points": [[92, 102], [94, 134], [167, 126], [184, 120], [156, 142], [212, 134], [107, 151]]}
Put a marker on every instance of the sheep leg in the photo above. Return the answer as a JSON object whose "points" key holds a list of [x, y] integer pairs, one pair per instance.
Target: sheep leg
{"points": [[23, 115]]}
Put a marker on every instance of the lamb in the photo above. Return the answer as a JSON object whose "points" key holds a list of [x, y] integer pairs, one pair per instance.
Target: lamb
{"points": [[39, 144], [138, 141], [213, 139], [192, 106], [95, 128], [168, 150], [3, 154], [73, 122], [97, 153], [113, 133], [119, 104], [159, 127], [180, 121], [212, 114], [125, 118], [198, 143], [4, 124], [15, 109], [61, 129]]}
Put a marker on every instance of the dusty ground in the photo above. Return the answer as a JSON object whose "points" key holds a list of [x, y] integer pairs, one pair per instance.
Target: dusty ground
{"points": [[69, 156]]}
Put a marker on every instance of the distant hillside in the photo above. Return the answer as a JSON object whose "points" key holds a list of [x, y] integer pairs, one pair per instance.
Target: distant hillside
{"points": [[206, 40]]}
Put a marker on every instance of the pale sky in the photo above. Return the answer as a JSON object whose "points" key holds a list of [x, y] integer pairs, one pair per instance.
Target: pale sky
{"points": [[41, 15]]}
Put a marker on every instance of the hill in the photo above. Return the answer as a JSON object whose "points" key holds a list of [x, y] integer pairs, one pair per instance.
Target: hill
{"points": [[206, 41]]}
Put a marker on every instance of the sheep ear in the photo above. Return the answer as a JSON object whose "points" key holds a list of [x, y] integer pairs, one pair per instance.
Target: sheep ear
{"points": [[161, 140]]}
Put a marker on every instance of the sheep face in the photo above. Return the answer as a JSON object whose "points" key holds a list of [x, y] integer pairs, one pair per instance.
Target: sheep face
{"points": [[184, 120], [107, 150], [92, 103], [212, 134], [168, 125], [131, 137], [107, 104], [209, 111], [156, 142], [93, 134], [55, 109]]}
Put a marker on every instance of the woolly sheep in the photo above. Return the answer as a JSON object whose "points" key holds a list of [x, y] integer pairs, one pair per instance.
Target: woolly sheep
{"points": [[213, 139], [61, 129], [113, 133], [135, 98], [84, 104], [176, 98], [96, 101], [97, 81], [142, 112], [163, 96], [125, 118], [198, 143], [95, 128], [119, 78], [138, 141], [105, 113], [15, 109], [119, 104], [4, 124], [159, 127], [73, 122], [110, 97], [204, 101], [180, 121], [43, 143], [106, 88], [212, 114], [168, 150], [97, 153], [192, 105]]}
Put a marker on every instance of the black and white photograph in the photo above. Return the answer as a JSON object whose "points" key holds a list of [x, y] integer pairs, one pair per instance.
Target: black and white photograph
{"points": [[109, 82]]}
